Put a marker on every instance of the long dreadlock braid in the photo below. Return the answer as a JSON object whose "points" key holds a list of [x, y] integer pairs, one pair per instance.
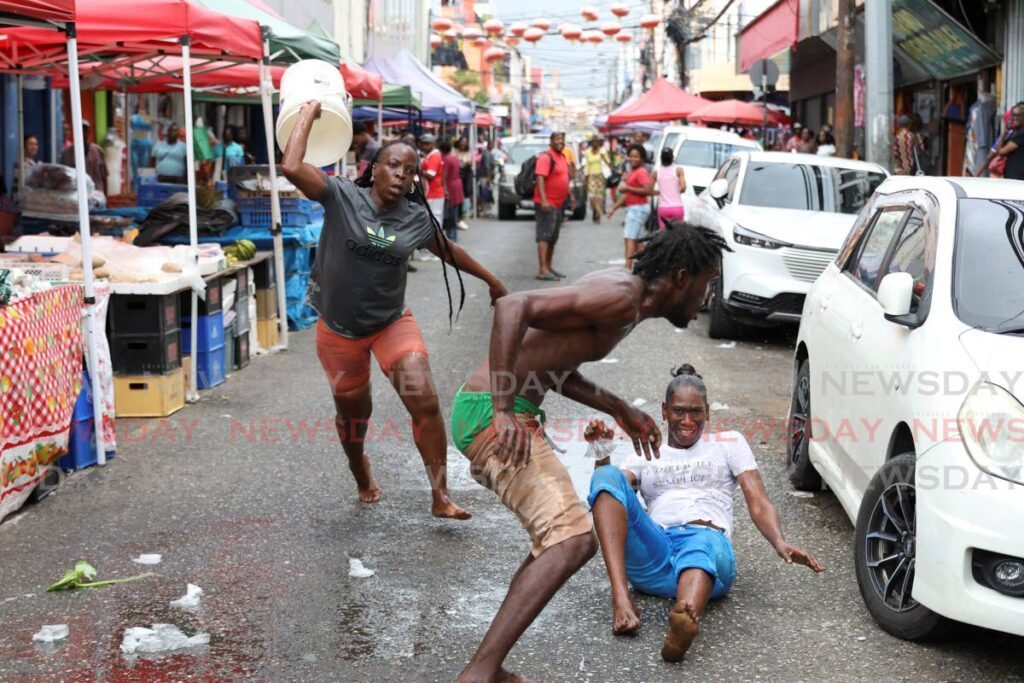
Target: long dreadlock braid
{"points": [[680, 246], [443, 244]]}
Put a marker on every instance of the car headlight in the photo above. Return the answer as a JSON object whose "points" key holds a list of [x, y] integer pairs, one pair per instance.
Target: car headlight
{"points": [[755, 239], [991, 425]]}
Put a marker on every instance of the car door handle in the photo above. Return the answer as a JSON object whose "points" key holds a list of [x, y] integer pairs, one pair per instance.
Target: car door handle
{"points": [[857, 329]]}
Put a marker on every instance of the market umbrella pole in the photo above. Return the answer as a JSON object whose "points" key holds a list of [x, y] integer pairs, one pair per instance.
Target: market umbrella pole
{"points": [[91, 330], [193, 230], [266, 88], [380, 120], [472, 158], [21, 138]]}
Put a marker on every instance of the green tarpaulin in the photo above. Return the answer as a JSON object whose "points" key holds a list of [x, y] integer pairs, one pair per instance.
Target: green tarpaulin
{"points": [[398, 96], [287, 43]]}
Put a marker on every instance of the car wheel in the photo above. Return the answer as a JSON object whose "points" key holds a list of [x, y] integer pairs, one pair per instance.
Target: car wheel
{"points": [[885, 546], [720, 324], [506, 212], [799, 469]]}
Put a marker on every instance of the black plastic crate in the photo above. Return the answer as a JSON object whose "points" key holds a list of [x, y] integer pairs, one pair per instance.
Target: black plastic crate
{"points": [[143, 314], [263, 274], [241, 348], [150, 353], [212, 304]]}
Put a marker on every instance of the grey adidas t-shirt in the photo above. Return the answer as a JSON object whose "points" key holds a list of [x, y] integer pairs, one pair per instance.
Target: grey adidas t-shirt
{"points": [[358, 280]]}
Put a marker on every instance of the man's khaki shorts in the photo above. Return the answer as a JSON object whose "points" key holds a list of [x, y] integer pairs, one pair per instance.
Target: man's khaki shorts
{"points": [[540, 493]]}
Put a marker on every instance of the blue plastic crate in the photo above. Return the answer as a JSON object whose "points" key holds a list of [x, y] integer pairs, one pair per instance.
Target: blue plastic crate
{"points": [[152, 194], [262, 204], [210, 334], [289, 219], [210, 370], [81, 446], [83, 406]]}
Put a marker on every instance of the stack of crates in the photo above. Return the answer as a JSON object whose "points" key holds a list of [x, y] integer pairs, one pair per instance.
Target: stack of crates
{"points": [[296, 211], [152, 194], [209, 353], [145, 350], [267, 326], [240, 332]]}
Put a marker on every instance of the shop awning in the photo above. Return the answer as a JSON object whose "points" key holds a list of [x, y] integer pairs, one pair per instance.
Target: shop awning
{"points": [[772, 32], [61, 11], [394, 96], [438, 97], [287, 43], [484, 119], [360, 83], [937, 42], [663, 102]]}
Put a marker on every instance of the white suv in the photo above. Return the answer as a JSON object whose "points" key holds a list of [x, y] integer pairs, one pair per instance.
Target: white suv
{"points": [[785, 216], [907, 401]]}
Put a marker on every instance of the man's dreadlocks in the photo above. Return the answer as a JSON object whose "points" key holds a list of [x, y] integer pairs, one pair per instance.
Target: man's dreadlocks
{"points": [[680, 246], [443, 245]]}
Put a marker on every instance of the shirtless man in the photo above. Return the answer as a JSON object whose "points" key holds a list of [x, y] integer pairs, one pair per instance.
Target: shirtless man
{"points": [[538, 341]]}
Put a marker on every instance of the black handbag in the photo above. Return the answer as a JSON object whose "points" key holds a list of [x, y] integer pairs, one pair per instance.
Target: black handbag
{"points": [[651, 226], [614, 180]]}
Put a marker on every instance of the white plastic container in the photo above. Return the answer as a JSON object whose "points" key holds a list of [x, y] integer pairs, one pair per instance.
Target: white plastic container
{"points": [[331, 135]]}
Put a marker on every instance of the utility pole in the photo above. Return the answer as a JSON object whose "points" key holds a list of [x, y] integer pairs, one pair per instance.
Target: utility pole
{"points": [[515, 78], [878, 79], [845, 57]]}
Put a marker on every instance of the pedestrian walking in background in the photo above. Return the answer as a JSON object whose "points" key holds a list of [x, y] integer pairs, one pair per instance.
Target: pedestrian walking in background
{"points": [[806, 144], [671, 184], [994, 163], [904, 148], [365, 145], [549, 197], [793, 138], [826, 144], [597, 166], [636, 192], [466, 173], [96, 159], [170, 157], [454, 194], [1013, 149]]}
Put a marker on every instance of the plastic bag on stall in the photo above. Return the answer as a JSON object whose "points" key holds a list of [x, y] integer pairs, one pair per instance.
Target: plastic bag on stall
{"points": [[52, 189], [120, 262]]}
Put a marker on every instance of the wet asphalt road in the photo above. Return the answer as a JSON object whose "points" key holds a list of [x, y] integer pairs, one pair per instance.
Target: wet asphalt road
{"points": [[246, 494]]}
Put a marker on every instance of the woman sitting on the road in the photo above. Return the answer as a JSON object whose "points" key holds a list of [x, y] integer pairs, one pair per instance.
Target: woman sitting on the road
{"points": [[680, 547]]}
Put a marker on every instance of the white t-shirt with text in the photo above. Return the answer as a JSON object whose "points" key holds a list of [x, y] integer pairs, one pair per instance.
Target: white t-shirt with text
{"points": [[698, 482]]}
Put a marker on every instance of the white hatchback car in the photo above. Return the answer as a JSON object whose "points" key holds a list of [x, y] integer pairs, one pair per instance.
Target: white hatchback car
{"points": [[908, 401], [785, 216]]}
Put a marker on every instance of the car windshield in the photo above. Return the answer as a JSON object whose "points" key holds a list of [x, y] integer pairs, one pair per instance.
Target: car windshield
{"points": [[521, 153], [704, 153], [988, 268], [807, 187]]}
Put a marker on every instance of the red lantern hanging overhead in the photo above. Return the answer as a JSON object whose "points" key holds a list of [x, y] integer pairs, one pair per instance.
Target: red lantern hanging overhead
{"points": [[542, 24], [435, 40], [572, 32], [593, 36], [610, 28], [589, 13], [620, 10], [512, 40], [451, 34], [494, 54], [494, 27], [518, 29], [442, 24], [480, 41], [650, 20], [533, 34], [623, 38]]}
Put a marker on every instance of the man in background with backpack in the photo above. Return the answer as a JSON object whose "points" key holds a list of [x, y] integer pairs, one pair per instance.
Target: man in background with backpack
{"points": [[550, 193]]}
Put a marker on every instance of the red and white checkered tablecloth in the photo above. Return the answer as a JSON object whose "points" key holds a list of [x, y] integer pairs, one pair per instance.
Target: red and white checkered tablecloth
{"points": [[40, 379]]}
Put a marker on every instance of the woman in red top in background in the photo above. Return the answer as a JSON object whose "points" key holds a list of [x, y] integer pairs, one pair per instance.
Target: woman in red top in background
{"points": [[454, 195], [636, 192]]}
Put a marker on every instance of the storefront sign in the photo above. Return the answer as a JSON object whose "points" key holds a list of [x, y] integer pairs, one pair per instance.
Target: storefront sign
{"points": [[935, 40]]}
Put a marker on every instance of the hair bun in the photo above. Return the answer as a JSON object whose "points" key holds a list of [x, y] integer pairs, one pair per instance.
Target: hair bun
{"points": [[685, 369]]}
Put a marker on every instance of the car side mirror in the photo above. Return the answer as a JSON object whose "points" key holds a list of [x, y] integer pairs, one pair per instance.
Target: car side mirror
{"points": [[718, 190], [895, 294]]}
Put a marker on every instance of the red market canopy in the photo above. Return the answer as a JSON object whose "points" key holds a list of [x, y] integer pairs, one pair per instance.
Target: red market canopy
{"points": [[733, 112], [663, 102], [776, 117], [139, 27], [484, 119], [61, 11], [361, 83]]}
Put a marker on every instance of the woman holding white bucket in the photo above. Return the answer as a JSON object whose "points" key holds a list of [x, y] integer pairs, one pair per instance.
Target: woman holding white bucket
{"points": [[371, 228]]}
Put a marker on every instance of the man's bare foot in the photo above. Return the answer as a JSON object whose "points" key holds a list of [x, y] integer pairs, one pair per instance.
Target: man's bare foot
{"points": [[683, 627], [626, 620], [371, 494], [444, 507], [502, 676], [505, 676]]}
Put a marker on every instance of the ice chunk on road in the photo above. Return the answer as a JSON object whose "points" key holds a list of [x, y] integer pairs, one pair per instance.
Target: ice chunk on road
{"points": [[148, 558], [356, 569], [727, 345], [608, 360], [639, 402], [160, 638], [51, 633], [715, 405], [191, 598]]}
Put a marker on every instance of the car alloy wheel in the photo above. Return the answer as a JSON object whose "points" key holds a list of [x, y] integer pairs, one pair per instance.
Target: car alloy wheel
{"points": [[890, 546], [799, 469]]}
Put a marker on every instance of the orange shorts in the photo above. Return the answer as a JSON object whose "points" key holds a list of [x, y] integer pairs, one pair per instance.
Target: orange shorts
{"points": [[347, 361]]}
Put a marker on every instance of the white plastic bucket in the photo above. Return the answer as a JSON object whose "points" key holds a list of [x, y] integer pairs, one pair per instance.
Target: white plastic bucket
{"points": [[331, 135]]}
